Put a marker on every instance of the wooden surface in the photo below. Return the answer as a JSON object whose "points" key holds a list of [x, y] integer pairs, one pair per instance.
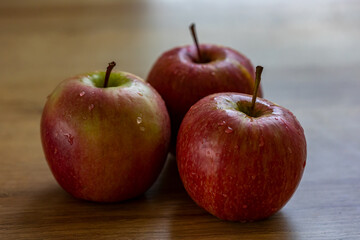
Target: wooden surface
{"points": [[311, 54]]}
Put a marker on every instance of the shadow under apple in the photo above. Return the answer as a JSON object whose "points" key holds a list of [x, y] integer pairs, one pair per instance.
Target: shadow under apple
{"points": [[52, 213], [164, 211]]}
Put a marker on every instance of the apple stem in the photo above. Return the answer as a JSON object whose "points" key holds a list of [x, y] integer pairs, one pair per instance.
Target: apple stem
{"points": [[108, 71], [194, 36], [259, 70]]}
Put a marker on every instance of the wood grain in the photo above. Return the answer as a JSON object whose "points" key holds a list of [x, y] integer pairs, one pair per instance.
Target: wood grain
{"points": [[310, 52]]}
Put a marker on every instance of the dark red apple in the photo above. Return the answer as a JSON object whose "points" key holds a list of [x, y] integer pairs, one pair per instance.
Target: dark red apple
{"points": [[239, 162], [184, 75], [105, 138]]}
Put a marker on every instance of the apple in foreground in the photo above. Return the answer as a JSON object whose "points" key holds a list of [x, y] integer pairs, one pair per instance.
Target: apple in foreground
{"points": [[184, 75], [238, 160], [105, 135]]}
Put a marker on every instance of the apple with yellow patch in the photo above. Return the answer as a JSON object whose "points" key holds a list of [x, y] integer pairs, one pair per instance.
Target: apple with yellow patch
{"points": [[105, 136]]}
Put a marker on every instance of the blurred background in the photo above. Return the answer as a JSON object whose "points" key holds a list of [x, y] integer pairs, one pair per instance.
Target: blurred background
{"points": [[69, 37], [309, 49]]}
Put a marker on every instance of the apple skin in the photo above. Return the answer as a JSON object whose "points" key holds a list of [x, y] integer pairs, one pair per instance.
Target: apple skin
{"points": [[238, 167], [181, 81], [105, 144]]}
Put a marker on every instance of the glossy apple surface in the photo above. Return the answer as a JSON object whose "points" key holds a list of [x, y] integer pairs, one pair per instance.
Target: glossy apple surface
{"points": [[105, 144], [181, 80], [240, 167]]}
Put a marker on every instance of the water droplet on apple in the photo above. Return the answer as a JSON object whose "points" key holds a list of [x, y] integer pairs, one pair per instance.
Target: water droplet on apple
{"points": [[70, 138], [253, 177], [224, 195], [285, 124], [82, 93], [229, 130], [244, 206], [213, 73], [142, 129], [55, 151], [222, 123], [138, 120], [91, 107]]}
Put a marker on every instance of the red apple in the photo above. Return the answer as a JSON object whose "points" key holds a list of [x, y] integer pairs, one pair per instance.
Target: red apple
{"points": [[107, 141], [184, 75], [238, 162]]}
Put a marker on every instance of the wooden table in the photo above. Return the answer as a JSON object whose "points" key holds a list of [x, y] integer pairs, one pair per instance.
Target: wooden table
{"points": [[311, 54]]}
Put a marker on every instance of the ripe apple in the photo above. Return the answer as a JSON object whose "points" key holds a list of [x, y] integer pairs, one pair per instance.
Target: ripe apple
{"points": [[239, 160], [184, 75], [105, 137]]}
